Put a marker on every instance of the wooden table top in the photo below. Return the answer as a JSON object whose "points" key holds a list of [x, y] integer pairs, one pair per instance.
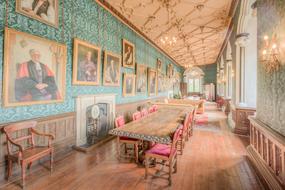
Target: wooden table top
{"points": [[156, 127]]}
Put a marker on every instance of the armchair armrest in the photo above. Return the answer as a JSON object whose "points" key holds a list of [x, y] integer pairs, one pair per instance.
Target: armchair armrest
{"points": [[15, 144], [50, 136]]}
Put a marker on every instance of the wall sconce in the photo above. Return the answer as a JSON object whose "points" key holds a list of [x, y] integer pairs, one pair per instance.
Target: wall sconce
{"points": [[233, 73], [270, 54]]}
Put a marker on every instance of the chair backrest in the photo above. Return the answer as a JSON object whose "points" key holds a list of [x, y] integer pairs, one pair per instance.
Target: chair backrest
{"points": [[175, 138], [144, 112], [136, 116], [9, 130], [155, 107], [119, 121], [150, 110]]}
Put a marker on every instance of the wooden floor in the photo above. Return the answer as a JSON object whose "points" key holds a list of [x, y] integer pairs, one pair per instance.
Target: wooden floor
{"points": [[214, 158]]}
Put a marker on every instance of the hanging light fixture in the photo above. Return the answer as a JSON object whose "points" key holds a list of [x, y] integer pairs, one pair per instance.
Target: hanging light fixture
{"points": [[271, 53]]}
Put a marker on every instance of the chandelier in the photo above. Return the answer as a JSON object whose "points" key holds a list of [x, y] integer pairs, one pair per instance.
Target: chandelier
{"points": [[166, 40]]}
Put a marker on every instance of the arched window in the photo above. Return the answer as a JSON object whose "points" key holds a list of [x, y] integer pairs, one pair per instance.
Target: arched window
{"points": [[194, 78]]}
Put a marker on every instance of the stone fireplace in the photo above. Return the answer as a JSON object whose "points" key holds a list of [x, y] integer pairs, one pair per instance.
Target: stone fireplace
{"points": [[92, 129]]}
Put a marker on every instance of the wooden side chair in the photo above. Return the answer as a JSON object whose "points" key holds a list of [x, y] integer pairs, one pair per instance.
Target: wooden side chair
{"points": [[26, 155], [164, 152], [150, 110], [144, 112], [136, 116], [119, 122], [191, 123], [155, 107], [183, 135]]}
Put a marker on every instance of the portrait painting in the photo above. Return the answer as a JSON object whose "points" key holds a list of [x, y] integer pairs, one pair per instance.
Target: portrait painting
{"points": [[141, 78], [34, 69], [170, 70], [128, 54], [112, 69], [86, 63], [152, 82], [45, 11], [160, 82], [129, 85], [159, 65]]}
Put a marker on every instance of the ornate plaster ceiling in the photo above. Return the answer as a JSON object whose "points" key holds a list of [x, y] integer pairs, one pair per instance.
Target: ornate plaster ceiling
{"points": [[198, 26]]}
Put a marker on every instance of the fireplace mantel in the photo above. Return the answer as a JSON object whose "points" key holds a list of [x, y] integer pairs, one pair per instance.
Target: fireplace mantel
{"points": [[84, 101]]}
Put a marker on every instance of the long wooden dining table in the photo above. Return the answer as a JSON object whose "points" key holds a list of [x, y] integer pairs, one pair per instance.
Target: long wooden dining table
{"points": [[155, 127]]}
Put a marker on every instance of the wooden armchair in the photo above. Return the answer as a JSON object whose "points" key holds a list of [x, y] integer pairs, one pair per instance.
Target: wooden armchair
{"points": [[25, 155]]}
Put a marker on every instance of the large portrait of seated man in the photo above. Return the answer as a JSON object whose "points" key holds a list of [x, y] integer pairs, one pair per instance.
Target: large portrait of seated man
{"points": [[34, 69]]}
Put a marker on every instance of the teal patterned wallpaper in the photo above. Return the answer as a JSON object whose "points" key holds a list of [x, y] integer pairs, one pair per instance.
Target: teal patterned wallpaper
{"points": [[86, 20], [271, 87]]}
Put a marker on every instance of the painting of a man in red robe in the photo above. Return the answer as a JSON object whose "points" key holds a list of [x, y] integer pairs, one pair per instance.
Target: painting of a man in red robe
{"points": [[35, 81]]}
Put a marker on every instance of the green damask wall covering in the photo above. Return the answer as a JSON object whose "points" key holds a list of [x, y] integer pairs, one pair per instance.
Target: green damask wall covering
{"points": [[271, 87], [210, 73], [88, 21]]}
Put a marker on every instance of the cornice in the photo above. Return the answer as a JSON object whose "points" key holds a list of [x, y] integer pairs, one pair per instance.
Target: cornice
{"points": [[232, 12], [124, 20]]}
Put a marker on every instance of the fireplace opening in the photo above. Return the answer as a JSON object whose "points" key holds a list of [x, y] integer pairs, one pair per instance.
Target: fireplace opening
{"points": [[97, 122]]}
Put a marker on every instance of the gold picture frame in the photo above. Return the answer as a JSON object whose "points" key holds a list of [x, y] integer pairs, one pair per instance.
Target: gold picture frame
{"points": [[47, 14], [112, 69], [37, 74], [152, 82], [129, 84], [141, 78], [160, 82], [129, 51], [86, 63]]}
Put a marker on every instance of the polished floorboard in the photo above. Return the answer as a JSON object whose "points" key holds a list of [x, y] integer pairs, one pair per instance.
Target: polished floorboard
{"points": [[213, 159]]}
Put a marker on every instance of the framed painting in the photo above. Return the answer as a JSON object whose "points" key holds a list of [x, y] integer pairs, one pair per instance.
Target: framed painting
{"points": [[160, 82], [112, 69], [128, 54], [129, 84], [86, 63], [45, 11], [170, 70], [159, 65], [152, 82], [37, 74], [141, 72]]}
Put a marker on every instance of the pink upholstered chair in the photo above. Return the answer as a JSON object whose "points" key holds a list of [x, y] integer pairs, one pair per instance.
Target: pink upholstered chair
{"points": [[167, 153], [150, 110], [155, 107], [144, 112], [119, 122], [136, 116]]}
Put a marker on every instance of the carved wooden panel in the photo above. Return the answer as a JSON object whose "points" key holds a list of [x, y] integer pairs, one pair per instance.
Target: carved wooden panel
{"points": [[270, 147], [242, 124]]}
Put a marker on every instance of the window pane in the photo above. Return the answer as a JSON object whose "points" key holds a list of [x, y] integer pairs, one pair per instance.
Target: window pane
{"points": [[191, 85], [197, 85]]}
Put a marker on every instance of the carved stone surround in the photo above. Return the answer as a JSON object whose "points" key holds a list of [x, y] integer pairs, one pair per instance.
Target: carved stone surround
{"points": [[82, 102], [267, 153]]}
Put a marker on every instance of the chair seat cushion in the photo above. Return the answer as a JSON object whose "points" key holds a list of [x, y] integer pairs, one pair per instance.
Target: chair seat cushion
{"points": [[127, 139], [160, 149]]}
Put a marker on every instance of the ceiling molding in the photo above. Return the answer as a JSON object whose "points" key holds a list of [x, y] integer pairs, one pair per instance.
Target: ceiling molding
{"points": [[124, 20], [232, 12]]}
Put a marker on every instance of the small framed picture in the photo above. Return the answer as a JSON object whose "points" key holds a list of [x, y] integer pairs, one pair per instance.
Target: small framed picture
{"points": [[45, 11], [141, 78], [129, 85], [159, 65], [128, 54], [112, 69], [152, 82], [86, 63]]}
